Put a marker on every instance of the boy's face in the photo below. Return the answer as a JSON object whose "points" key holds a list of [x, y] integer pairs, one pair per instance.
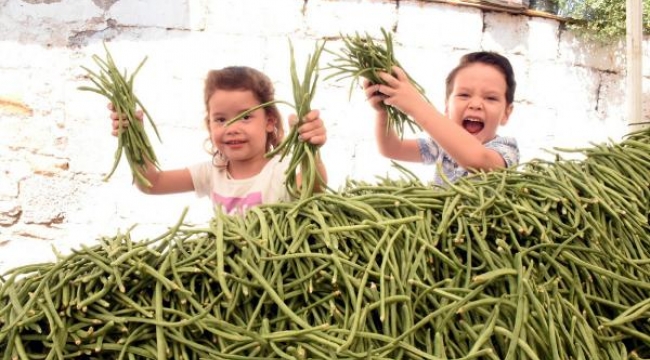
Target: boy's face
{"points": [[478, 101]]}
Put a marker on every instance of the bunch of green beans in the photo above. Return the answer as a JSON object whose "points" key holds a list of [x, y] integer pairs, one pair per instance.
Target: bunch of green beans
{"points": [[132, 139], [550, 260], [304, 155], [364, 57]]}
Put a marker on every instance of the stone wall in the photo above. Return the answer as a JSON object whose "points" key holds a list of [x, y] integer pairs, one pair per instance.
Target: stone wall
{"points": [[56, 148]]}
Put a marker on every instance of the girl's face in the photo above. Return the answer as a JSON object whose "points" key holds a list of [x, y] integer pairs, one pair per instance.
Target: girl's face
{"points": [[244, 141], [478, 101]]}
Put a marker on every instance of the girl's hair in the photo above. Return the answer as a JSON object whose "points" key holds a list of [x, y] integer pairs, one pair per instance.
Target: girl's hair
{"points": [[246, 78], [494, 59]]}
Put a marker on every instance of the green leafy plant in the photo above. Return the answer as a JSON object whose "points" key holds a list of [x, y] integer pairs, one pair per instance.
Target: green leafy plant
{"points": [[601, 20], [548, 6]]}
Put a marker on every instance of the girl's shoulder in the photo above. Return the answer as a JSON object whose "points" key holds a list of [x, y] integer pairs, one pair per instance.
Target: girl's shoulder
{"points": [[202, 168], [276, 167], [278, 161]]}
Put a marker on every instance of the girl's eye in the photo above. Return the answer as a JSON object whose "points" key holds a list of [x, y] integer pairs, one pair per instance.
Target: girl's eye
{"points": [[219, 121], [247, 118]]}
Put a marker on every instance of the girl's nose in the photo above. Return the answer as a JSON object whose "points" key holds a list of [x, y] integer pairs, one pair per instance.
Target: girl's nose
{"points": [[234, 127]]}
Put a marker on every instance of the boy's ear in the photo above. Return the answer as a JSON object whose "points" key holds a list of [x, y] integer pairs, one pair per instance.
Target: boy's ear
{"points": [[507, 115]]}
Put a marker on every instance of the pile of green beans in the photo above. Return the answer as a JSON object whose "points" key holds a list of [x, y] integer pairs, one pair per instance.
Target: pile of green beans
{"points": [[364, 57], [550, 260], [133, 140]]}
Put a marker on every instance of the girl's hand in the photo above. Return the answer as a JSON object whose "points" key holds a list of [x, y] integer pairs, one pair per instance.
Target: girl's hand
{"points": [[116, 121], [312, 128]]}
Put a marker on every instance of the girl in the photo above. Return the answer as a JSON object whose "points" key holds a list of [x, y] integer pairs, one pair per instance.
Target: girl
{"points": [[479, 98], [239, 175]]}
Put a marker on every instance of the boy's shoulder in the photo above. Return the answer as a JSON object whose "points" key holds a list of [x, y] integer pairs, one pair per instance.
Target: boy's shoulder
{"points": [[508, 147], [504, 140]]}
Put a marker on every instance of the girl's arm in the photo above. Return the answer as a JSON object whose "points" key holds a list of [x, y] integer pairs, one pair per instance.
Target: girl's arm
{"points": [[166, 181], [162, 181], [313, 130], [320, 167]]}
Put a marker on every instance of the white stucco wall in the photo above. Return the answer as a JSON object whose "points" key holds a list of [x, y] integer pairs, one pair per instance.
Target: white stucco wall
{"points": [[55, 144]]}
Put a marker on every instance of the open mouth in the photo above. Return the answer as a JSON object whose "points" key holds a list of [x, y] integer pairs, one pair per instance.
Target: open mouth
{"points": [[473, 126]]}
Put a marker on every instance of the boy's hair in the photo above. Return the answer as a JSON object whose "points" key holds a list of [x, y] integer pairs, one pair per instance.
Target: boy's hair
{"points": [[494, 59], [246, 78]]}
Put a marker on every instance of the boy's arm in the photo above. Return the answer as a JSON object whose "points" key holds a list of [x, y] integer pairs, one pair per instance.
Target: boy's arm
{"points": [[389, 143], [467, 150], [462, 146]]}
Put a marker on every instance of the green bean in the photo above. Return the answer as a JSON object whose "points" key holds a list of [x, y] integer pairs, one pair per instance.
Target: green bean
{"points": [[493, 274], [356, 323], [218, 233], [486, 333]]}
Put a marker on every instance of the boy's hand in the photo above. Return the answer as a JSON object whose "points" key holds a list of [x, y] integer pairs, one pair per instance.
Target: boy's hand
{"points": [[399, 91], [374, 96]]}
